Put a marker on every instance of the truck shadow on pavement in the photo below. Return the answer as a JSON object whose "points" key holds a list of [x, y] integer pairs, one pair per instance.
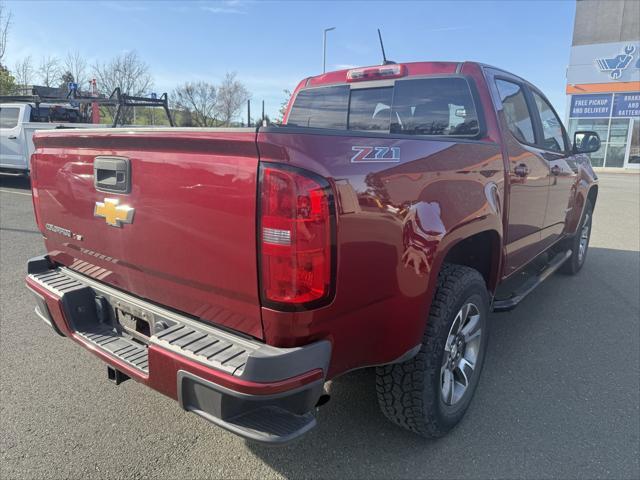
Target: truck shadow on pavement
{"points": [[11, 181], [524, 398]]}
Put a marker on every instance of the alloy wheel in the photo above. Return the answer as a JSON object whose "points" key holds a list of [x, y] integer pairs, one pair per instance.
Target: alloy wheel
{"points": [[461, 353], [584, 238]]}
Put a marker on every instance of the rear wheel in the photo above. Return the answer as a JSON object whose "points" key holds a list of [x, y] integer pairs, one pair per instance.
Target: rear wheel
{"points": [[579, 243], [430, 393]]}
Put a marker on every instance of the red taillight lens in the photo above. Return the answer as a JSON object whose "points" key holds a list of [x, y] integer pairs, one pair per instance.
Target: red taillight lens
{"points": [[296, 236]]}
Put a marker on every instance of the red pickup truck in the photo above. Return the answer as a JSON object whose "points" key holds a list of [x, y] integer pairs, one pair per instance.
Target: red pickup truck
{"points": [[238, 270]]}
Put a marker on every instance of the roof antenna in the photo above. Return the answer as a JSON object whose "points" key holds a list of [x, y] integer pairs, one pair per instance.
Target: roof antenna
{"points": [[384, 56]]}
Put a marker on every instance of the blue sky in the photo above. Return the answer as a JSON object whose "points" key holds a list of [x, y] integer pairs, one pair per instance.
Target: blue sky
{"points": [[272, 45]]}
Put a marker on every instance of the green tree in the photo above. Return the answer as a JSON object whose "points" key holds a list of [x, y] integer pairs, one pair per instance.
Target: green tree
{"points": [[257, 120], [65, 79], [7, 81], [283, 106]]}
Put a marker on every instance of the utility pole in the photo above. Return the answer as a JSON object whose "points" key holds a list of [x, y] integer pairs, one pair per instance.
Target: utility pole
{"points": [[324, 48]]}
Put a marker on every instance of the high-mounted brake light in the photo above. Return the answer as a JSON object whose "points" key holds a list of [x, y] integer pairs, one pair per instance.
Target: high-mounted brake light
{"points": [[376, 73], [296, 231]]}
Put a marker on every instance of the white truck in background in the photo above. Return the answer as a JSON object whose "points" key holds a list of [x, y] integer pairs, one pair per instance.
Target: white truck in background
{"points": [[18, 121], [22, 115]]}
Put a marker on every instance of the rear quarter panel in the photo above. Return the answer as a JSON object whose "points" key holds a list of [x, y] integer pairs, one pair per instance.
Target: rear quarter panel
{"points": [[396, 221], [586, 182]]}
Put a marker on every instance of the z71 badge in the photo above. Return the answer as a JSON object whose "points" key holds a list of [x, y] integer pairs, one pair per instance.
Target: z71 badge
{"points": [[366, 154]]}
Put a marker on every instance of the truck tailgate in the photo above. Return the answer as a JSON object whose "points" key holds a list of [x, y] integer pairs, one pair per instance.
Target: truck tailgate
{"points": [[191, 242]]}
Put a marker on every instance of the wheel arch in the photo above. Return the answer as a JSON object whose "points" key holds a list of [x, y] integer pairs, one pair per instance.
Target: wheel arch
{"points": [[592, 195], [480, 251]]}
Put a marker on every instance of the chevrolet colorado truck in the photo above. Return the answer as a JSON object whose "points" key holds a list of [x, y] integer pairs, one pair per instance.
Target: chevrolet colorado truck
{"points": [[238, 270]]}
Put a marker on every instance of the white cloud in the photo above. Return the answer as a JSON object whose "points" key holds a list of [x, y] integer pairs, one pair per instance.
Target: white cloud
{"points": [[446, 29], [343, 66], [234, 7], [124, 6], [357, 48]]}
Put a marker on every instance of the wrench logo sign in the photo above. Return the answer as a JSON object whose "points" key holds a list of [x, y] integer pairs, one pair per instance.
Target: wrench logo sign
{"points": [[615, 65]]}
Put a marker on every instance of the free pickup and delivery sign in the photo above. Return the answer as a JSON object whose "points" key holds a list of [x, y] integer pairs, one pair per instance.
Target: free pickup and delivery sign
{"points": [[590, 106], [604, 105]]}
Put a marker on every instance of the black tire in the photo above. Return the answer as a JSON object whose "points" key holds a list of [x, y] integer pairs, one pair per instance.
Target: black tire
{"points": [[410, 394], [575, 262]]}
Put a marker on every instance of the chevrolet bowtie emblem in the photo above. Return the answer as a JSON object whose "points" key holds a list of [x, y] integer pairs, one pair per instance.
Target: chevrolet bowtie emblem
{"points": [[114, 214]]}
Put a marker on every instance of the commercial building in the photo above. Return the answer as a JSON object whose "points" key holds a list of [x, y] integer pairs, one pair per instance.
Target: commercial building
{"points": [[603, 79]]}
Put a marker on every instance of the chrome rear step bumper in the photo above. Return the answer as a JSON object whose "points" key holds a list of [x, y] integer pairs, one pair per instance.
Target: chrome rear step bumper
{"points": [[258, 391]]}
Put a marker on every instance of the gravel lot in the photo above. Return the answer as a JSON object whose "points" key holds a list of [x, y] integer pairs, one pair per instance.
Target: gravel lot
{"points": [[559, 397]]}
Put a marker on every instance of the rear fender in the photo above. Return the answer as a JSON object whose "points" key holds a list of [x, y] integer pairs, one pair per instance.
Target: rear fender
{"points": [[454, 250], [586, 187]]}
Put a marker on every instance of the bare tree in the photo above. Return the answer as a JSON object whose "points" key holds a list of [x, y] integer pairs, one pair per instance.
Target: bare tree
{"points": [[199, 98], [49, 71], [23, 71], [232, 95], [5, 24], [75, 64], [127, 72]]}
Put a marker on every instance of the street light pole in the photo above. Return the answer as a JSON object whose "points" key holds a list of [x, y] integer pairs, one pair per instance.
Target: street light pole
{"points": [[324, 48]]}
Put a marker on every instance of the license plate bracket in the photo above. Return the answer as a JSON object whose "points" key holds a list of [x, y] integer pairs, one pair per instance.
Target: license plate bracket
{"points": [[133, 321]]}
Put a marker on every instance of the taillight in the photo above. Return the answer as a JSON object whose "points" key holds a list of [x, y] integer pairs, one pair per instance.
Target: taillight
{"points": [[296, 235]]}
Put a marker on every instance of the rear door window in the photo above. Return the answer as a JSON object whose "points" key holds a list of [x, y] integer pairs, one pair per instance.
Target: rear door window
{"points": [[9, 117], [324, 107], [434, 106], [516, 111], [442, 106]]}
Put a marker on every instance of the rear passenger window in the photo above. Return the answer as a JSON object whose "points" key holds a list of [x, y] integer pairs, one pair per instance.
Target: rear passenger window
{"points": [[370, 109], [516, 111], [441, 106], [9, 117], [324, 107], [551, 126], [434, 106]]}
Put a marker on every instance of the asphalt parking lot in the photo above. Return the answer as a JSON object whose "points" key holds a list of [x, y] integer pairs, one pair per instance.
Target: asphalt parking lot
{"points": [[559, 396]]}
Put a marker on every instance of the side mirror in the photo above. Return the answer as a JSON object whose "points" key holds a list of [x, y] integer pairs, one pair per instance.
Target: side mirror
{"points": [[586, 142]]}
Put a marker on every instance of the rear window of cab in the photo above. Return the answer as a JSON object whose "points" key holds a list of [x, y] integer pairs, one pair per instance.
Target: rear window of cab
{"points": [[442, 106]]}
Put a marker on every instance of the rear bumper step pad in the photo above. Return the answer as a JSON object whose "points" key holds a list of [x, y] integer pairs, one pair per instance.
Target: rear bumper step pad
{"points": [[99, 335]]}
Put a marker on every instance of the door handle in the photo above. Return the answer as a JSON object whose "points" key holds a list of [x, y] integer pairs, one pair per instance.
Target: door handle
{"points": [[521, 170], [556, 170], [13, 137]]}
